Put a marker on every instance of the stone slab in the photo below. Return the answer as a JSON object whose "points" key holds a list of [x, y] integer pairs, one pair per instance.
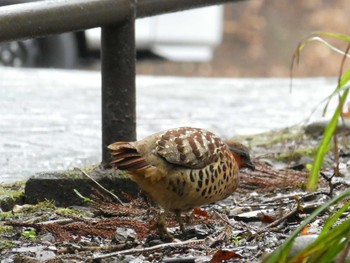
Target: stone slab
{"points": [[59, 186]]}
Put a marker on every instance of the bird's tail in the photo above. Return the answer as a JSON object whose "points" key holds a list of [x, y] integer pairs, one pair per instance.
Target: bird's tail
{"points": [[126, 157]]}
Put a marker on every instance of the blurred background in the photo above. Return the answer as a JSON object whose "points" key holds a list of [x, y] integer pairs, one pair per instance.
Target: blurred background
{"points": [[253, 38], [259, 38], [46, 116]]}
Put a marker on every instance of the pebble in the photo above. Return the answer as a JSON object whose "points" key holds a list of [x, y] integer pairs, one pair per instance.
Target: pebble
{"points": [[123, 235]]}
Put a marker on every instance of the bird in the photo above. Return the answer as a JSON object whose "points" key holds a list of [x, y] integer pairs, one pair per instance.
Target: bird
{"points": [[182, 168]]}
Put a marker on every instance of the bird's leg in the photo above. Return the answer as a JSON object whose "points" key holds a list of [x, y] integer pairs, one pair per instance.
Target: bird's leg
{"points": [[160, 225], [179, 220]]}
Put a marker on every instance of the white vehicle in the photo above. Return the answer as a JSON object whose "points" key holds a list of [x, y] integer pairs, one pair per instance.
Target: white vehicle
{"points": [[184, 36]]}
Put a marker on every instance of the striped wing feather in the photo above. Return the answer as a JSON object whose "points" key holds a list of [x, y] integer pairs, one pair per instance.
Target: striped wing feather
{"points": [[189, 147], [126, 157]]}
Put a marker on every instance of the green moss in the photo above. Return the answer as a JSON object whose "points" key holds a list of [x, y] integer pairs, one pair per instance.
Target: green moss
{"points": [[9, 214], [4, 229], [271, 138], [76, 173], [91, 168], [46, 205], [11, 188], [297, 154], [123, 174], [280, 136], [10, 194], [6, 244], [71, 212], [41, 206], [29, 234]]}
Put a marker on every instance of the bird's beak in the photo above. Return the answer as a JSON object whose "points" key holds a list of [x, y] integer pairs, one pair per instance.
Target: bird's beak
{"points": [[250, 165]]}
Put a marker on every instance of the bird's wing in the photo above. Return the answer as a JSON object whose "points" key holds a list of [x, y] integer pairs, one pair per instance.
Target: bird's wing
{"points": [[126, 157], [189, 147]]}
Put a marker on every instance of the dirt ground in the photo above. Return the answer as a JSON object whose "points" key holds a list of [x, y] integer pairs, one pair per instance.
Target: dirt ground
{"points": [[259, 40], [246, 227], [260, 37]]}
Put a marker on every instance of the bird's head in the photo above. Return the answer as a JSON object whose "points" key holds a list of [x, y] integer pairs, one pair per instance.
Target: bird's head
{"points": [[241, 155]]}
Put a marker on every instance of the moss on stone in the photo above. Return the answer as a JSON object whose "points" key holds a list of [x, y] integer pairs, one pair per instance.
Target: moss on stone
{"points": [[6, 244], [71, 212], [296, 154], [11, 194], [273, 137]]}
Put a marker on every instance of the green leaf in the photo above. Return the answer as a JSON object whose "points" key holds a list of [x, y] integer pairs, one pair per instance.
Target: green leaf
{"points": [[323, 147], [331, 220], [280, 254], [30, 234], [330, 34], [85, 199], [329, 244]]}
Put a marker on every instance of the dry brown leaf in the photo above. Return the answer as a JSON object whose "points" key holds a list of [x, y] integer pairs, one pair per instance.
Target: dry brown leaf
{"points": [[266, 219], [305, 231], [198, 211], [221, 255], [346, 114]]}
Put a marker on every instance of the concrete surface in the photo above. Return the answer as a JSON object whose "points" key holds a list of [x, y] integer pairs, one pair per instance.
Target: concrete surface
{"points": [[50, 119], [60, 186]]}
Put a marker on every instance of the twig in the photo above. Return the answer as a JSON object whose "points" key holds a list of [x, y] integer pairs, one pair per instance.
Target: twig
{"points": [[102, 188], [302, 196], [73, 249], [280, 220], [149, 249], [286, 216], [336, 154], [329, 181], [57, 221], [251, 228]]}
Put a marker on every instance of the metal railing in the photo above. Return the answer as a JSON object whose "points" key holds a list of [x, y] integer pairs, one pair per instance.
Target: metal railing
{"points": [[117, 20]]}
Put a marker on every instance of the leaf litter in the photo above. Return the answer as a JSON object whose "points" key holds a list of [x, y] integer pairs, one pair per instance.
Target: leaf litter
{"points": [[268, 206]]}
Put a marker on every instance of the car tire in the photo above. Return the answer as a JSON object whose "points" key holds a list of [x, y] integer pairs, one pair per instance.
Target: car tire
{"points": [[58, 51], [18, 54]]}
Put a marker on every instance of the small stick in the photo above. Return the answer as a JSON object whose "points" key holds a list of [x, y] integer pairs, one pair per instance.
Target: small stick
{"points": [[149, 249], [102, 188], [286, 216], [222, 217], [91, 248], [57, 221], [280, 220]]}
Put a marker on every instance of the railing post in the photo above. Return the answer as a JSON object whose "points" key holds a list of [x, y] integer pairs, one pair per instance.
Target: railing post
{"points": [[118, 82]]}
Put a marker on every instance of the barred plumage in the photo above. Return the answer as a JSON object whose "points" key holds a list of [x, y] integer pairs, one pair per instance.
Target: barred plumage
{"points": [[182, 168]]}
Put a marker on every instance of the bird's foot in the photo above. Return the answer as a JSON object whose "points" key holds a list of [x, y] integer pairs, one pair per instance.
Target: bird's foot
{"points": [[161, 228], [180, 221]]}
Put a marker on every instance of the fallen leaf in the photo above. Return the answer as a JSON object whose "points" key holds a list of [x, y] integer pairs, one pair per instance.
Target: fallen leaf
{"points": [[266, 218], [198, 211], [304, 231], [346, 114], [221, 255]]}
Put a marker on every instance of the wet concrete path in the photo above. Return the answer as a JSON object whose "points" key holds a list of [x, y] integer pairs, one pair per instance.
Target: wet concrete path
{"points": [[50, 119]]}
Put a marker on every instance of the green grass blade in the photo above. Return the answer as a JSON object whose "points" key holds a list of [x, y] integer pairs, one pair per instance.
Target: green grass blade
{"points": [[330, 34], [341, 86], [323, 147], [332, 237], [330, 221], [321, 151], [280, 254], [329, 244]]}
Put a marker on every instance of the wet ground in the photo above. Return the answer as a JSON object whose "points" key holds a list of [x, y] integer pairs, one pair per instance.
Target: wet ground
{"points": [[50, 119], [49, 125], [246, 227]]}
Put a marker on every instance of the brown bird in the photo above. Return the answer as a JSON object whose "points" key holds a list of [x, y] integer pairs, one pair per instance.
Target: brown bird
{"points": [[182, 168]]}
